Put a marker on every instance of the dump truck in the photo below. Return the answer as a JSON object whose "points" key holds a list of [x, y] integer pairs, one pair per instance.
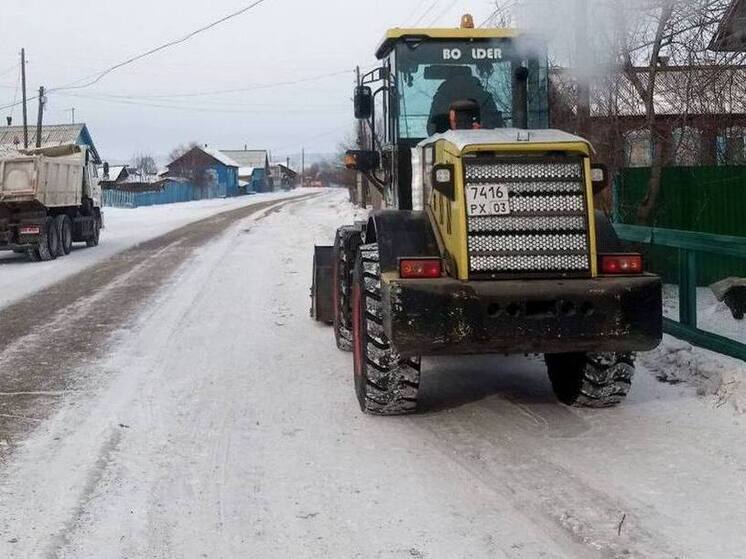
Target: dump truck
{"points": [[488, 240], [49, 198]]}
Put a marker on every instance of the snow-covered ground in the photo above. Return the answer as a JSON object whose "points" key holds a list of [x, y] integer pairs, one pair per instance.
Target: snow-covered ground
{"points": [[124, 228], [222, 423], [712, 315]]}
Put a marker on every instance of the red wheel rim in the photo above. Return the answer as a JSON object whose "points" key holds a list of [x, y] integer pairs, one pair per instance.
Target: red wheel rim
{"points": [[357, 342]]}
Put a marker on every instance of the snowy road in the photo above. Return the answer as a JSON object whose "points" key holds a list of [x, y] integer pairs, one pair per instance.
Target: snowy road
{"points": [[200, 413]]}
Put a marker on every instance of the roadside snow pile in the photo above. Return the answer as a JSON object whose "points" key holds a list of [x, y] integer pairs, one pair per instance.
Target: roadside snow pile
{"points": [[713, 374], [712, 315]]}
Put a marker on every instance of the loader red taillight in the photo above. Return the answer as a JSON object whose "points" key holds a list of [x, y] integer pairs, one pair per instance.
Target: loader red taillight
{"points": [[29, 230], [620, 264], [410, 268]]}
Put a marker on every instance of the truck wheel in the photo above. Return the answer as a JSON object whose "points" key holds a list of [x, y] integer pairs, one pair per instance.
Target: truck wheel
{"points": [[93, 240], [592, 380], [346, 242], [385, 382], [65, 233], [33, 254], [49, 241]]}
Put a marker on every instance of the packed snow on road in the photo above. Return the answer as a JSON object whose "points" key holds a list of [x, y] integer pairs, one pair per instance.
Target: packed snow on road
{"points": [[124, 228], [216, 419]]}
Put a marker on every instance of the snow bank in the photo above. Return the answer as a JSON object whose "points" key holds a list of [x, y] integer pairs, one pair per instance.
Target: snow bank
{"points": [[712, 315], [714, 375], [124, 228]]}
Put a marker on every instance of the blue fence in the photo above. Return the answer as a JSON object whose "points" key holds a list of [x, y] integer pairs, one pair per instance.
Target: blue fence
{"points": [[173, 192]]}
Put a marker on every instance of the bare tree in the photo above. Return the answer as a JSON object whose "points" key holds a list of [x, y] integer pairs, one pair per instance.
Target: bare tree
{"points": [[144, 163], [180, 150]]}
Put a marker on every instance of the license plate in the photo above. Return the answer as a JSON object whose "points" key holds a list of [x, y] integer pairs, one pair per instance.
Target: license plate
{"points": [[487, 200]]}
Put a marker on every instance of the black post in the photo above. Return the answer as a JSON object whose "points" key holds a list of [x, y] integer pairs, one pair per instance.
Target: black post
{"points": [[41, 117], [520, 97], [23, 87]]}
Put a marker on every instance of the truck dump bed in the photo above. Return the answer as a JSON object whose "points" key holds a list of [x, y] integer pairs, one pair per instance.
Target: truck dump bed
{"points": [[51, 177]]}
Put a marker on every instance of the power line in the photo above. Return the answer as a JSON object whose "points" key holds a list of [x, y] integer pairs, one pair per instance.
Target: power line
{"points": [[165, 105], [443, 12], [236, 90], [414, 12], [164, 46], [425, 13]]}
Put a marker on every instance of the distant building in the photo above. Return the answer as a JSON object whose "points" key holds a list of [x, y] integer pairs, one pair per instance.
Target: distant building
{"points": [[51, 135], [211, 173], [253, 168], [117, 174], [283, 177]]}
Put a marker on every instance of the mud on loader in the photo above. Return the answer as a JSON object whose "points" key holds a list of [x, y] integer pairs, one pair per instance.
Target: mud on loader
{"points": [[488, 241]]}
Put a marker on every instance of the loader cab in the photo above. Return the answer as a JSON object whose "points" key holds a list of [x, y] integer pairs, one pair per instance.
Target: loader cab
{"points": [[423, 72]]}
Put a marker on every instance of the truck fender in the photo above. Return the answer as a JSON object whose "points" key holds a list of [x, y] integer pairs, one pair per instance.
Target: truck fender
{"points": [[401, 234]]}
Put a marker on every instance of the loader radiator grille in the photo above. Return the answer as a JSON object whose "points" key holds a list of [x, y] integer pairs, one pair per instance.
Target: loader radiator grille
{"points": [[546, 231]]}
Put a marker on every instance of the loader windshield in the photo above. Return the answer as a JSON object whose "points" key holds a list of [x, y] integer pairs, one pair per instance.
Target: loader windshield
{"points": [[433, 74]]}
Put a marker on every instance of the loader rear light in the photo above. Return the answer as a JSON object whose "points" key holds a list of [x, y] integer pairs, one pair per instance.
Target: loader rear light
{"points": [[411, 268], [620, 264], [29, 230]]}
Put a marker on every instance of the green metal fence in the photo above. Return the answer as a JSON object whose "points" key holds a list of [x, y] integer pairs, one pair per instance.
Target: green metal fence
{"points": [[693, 251], [703, 199]]}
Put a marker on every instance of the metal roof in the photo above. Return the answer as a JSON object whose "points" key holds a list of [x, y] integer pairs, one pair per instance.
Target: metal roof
{"points": [[221, 156], [248, 157], [218, 156], [731, 33], [397, 34], [51, 135]]}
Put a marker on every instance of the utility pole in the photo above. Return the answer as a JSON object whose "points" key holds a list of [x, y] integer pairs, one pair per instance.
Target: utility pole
{"points": [[302, 167], [582, 69], [23, 87], [41, 116]]}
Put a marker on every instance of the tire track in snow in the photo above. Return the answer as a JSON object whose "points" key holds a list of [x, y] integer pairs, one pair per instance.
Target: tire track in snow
{"points": [[45, 337]]}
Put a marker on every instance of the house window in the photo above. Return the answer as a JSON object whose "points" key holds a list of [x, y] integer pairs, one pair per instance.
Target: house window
{"points": [[731, 146], [638, 149]]}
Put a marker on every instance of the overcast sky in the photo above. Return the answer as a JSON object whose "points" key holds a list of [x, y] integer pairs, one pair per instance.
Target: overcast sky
{"points": [[139, 108]]}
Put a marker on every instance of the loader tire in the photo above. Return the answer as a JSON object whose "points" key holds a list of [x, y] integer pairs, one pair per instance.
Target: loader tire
{"points": [[385, 382], [346, 242], [65, 232], [49, 241], [591, 380]]}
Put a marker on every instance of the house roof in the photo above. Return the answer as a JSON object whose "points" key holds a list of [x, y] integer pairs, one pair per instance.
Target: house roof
{"points": [[51, 135], [721, 90], [731, 33], [248, 157], [218, 156], [115, 172], [221, 156]]}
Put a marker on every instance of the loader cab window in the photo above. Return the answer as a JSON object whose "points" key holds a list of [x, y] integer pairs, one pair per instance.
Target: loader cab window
{"points": [[432, 75]]}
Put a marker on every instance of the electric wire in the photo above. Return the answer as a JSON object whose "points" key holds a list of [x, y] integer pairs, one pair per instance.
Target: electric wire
{"points": [[236, 90], [425, 13], [443, 12], [99, 76]]}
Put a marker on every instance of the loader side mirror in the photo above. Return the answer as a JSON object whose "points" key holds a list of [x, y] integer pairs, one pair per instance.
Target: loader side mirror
{"points": [[363, 102], [362, 160], [599, 177]]}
